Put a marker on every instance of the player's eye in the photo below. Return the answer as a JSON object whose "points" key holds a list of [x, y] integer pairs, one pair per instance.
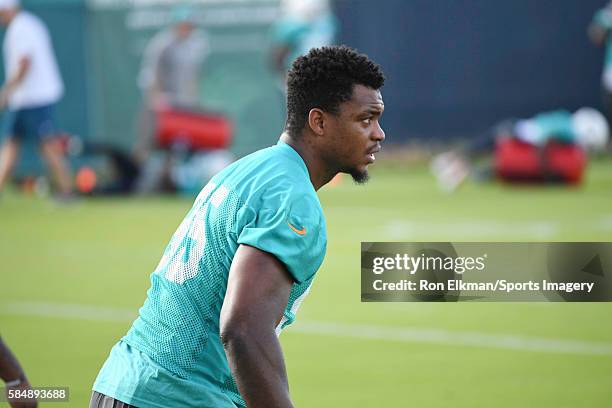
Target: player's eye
{"points": [[367, 121]]}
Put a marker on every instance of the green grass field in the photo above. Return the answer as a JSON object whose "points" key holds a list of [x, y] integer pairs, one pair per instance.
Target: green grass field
{"points": [[72, 277]]}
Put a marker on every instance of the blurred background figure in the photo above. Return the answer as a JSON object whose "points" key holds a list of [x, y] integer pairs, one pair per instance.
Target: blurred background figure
{"points": [[31, 90], [599, 33], [304, 24], [172, 63], [13, 376], [169, 78], [586, 130]]}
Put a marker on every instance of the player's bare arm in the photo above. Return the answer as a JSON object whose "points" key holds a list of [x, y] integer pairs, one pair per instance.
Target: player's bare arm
{"points": [[13, 376], [257, 293]]}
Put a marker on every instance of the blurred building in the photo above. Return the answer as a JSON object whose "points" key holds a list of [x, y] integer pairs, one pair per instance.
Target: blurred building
{"points": [[453, 67]]}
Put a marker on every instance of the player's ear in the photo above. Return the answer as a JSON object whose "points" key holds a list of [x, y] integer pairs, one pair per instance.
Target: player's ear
{"points": [[316, 121]]}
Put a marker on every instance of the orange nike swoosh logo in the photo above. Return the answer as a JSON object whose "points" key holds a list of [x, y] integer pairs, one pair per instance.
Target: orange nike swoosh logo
{"points": [[297, 231]]}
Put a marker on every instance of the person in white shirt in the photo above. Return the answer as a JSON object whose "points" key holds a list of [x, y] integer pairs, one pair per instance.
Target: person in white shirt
{"points": [[32, 88]]}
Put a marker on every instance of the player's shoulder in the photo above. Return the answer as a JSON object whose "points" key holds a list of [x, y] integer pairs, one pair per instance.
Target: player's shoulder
{"points": [[274, 163], [274, 177]]}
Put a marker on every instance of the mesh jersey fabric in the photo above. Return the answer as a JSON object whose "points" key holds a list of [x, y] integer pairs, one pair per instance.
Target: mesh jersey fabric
{"points": [[265, 200]]}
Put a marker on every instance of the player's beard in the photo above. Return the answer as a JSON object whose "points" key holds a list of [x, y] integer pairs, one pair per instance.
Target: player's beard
{"points": [[359, 177]]}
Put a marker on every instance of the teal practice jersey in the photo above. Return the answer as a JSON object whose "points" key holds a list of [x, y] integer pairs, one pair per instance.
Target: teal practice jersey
{"points": [[556, 125], [299, 35], [603, 18], [172, 356], [544, 127]]}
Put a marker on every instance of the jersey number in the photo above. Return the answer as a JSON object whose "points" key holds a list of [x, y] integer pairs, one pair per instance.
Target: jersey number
{"points": [[181, 260]]}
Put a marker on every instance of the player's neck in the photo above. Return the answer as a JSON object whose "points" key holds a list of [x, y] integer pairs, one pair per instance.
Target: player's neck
{"points": [[317, 170]]}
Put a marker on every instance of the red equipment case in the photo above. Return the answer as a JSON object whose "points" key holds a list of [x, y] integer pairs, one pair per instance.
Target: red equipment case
{"points": [[196, 130], [519, 161]]}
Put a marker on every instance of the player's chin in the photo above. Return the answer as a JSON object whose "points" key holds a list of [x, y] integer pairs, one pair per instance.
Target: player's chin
{"points": [[360, 175]]}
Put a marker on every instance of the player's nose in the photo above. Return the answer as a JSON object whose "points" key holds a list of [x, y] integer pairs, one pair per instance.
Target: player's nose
{"points": [[378, 133]]}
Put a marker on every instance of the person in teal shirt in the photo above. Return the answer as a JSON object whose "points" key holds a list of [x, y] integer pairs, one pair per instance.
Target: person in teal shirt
{"points": [[242, 261], [599, 33], [303, 24]]}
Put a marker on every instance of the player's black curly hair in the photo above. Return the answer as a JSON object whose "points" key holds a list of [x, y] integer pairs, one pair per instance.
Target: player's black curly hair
{"points": [[324, 78]]}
